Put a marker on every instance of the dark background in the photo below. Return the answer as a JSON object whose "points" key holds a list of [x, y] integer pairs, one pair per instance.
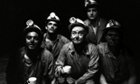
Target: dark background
{"points": [[15, 13]]}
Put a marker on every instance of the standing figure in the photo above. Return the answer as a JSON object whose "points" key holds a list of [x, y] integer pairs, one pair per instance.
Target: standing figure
{"points": [[117, 62], [31, 60], [95, 23], [53, 41], [78, 60]]}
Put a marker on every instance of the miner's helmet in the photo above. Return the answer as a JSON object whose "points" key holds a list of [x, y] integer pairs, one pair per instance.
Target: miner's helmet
{"points": [[53, 17], [112, 25], [77, 22], [32, 27], [91, 4]]}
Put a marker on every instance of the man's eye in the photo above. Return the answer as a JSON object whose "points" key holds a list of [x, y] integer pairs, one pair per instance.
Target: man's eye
{"points": [[81, 34], [88, 10], [55, 24], [94, 10], [36, 38], [73, 32], [28, 37], [49, 23]]}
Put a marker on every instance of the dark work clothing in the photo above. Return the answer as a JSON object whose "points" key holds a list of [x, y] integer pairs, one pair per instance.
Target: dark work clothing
{"points": [[116, 69], [84, 65], [93, 37], [20, 67], [54, 47]]}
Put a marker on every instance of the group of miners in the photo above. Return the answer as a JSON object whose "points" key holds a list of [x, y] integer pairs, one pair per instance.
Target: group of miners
{"points": [[94, 54]]}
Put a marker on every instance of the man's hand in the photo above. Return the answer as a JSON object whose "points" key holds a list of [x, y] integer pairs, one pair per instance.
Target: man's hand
{"points": [[58, 70]]}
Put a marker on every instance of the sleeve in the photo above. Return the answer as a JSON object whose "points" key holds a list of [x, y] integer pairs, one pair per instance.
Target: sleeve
{"points": [[48, 64], [51, 67], [43, 41], [65, 40], [92, 67], [60, 60], [62, 56]]}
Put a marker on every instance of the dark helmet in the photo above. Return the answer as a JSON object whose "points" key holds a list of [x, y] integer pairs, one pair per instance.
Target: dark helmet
{"points": [[112, 25], [53, 17], [91, 3], [76, 22], [32, 27]]}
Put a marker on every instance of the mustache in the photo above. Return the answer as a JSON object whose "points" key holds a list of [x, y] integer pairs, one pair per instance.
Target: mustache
{"points": [[76, 38], [32, 43]]}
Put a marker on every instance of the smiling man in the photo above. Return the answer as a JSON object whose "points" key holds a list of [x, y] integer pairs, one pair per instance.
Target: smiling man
{"points": [[32, 40], [30, 60], [80, 55]]}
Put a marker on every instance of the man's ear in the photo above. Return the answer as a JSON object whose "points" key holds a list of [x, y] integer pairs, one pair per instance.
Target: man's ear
{"points": [[46, 27], [70, 36]]}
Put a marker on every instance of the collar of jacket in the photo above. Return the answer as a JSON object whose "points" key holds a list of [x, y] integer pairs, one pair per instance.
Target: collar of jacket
{"points": [[107, 51], [88, 22], [72, 50], [58, 36]]}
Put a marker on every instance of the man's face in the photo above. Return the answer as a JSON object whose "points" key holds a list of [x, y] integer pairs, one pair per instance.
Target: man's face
{"points": [[113, 37], [32, 40], [92, 13], [51, 26], [78, 34]]}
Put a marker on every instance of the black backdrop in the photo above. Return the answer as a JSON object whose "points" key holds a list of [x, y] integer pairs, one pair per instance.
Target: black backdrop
{"points": [[14, 14]]}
